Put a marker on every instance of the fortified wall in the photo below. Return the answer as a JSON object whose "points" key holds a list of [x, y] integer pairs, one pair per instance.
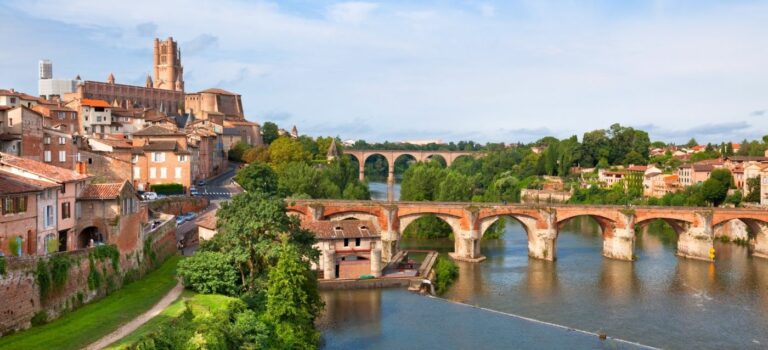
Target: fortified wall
{"points": [[29, 287]]}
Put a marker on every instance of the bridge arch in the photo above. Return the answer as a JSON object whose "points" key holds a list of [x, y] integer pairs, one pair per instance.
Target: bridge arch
{"points": [[445, 162], [679, 225], [527, 222], [607, 225], [453, 221]]}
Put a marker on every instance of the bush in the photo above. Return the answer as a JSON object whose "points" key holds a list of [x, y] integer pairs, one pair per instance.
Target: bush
{"points": [[59, 266], [446, 272], [168, 189], [209, 273], [39, 318], [13, 246], [43, 278], [2, 264]]}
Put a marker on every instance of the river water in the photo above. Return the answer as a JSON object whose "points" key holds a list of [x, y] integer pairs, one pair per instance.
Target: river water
{"points": [[659, 300]]}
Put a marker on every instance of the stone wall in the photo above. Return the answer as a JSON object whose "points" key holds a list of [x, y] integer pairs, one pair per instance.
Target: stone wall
{"points": [[544, 196], [20, 295], [179, 205]]}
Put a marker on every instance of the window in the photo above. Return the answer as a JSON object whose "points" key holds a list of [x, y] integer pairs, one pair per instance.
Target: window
{"points": [[12, 205], [98, 109], [65, 212], [62, 156], [62, 140], [98, 118], [158, 157], [78, 210], [357, 242], [178, 173], [346, 242], [62, 115], [13, 100], [163, 173], [47, 156], [47, 140], [48, 216], [152, 173], [136, 172], [63, 188], [135, 159], [182, 158]]}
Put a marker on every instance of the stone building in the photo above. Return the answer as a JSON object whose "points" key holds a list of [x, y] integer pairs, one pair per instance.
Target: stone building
{"points": [[214, 104], [348, 248], [168, 71], [110, 213], [18, 222], [21, 132]]}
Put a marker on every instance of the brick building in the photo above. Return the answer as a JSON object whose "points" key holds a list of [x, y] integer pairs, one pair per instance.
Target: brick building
{"points": [[160, 156]]}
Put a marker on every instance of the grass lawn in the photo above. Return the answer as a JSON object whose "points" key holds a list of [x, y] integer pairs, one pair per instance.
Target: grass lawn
{"points": [[83, 326], [200, 304]]}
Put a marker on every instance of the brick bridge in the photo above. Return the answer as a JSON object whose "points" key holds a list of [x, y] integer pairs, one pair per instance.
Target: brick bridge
{"points": [[393, 155], [469, 221]]}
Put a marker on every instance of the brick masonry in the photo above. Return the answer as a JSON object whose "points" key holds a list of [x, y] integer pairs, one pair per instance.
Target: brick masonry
{"points": [[20, 294]]}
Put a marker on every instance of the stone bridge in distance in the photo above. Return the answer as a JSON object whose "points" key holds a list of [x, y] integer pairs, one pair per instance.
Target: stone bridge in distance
{"points": [[694, 226], [393, 155]]}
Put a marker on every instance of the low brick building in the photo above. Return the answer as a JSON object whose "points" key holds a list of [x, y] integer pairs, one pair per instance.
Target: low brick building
{"points": [[348, 248]]}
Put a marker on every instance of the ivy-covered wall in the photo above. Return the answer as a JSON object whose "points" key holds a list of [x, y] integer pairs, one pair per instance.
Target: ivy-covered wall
{"points": [[36, 289]]}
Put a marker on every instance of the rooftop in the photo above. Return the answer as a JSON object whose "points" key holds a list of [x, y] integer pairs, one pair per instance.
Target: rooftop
{"points": [[95, 103], [11, 183], [342, 229], [51, 172], [217, 91], [156, 130], [102, 191]]}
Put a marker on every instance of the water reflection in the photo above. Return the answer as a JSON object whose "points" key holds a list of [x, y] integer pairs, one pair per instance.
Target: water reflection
{"points": [[659, 299]]}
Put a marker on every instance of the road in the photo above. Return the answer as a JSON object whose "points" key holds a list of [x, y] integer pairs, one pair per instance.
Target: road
{"points": [[218, 189]]}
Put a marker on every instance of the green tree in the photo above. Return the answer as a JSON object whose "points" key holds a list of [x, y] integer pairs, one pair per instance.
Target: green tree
{"points": [[285, 150], [258, 177], [753, 184], [269, 132], [356, 190], [249, 227], [723, 175], [293, 301], [714, 191], [691, 143], [209, 273], [256, 154], [421, 181], [237, 151], [633, 157], [455, 187]]}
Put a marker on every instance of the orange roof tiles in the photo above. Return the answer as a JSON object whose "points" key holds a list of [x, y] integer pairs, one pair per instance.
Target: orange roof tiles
{"points": [[342, 229], [95, 103], [51, 172], [102, 191]]}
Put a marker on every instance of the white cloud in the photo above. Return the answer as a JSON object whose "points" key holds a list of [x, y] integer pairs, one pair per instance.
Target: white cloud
{"points": [[351, 12], [432, 69], [487, 10]]}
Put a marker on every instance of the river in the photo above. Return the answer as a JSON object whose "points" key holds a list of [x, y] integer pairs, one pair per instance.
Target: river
{"points": [[659, 300]]}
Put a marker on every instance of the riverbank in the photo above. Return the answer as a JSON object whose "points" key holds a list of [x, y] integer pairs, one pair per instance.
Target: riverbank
{"points": [[93, 321]]}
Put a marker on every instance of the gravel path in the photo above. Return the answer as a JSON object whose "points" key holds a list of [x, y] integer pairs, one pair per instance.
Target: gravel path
{"points": [[129, 327]]}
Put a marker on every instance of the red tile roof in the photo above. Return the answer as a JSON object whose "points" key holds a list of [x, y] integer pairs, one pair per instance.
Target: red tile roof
{"points": [[95, 103], [342, 229], [12, 184], [41, 169], [155, 130], [102, 191]]}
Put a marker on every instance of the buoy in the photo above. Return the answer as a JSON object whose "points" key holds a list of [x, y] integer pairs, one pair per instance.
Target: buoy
{"points": [[712, 253]]}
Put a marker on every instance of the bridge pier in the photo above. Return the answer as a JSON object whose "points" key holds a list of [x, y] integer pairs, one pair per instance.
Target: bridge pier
{"points": [[361, 174], [389, 245], [619, 237], [542, 244], [761, 241], [466, 247], [697, 241], [620, 244]]}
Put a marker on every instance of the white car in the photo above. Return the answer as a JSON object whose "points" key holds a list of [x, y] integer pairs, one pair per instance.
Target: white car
{"points": [[149, 196]]}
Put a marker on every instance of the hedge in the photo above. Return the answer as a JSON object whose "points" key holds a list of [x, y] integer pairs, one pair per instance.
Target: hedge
{"points": [[169, 188]]}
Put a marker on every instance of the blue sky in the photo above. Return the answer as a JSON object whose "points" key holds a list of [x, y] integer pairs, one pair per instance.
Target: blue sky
{"points": [[455, 70]]}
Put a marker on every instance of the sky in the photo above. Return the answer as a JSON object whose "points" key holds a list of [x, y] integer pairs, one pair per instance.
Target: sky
{"points": [[489, 71]]}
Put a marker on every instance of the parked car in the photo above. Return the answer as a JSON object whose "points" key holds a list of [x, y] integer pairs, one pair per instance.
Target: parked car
{"points": [[201, 183], [180, 219], [189, 216], [149, 196], [193, 192]]}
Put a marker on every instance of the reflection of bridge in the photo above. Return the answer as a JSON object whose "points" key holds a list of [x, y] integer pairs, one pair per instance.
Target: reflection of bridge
{"points": [[469, 221], [393, 155]]}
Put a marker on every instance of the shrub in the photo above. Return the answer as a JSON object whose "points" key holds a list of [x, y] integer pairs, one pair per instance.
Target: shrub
{"points": [[209, 272], [43, 278], [39, 318], [13, 246], [2, 264], [446, 272], [168, 189], [59, 266], [109, 251]]}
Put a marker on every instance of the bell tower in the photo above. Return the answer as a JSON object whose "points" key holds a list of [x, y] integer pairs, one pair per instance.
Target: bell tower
{"points": [[168, 72]]}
